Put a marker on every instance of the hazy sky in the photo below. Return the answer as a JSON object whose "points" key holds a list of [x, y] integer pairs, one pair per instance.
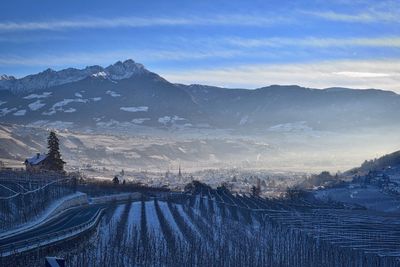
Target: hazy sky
{"points": [[316, 43]]}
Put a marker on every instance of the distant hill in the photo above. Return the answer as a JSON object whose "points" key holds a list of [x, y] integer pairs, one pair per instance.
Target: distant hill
{"points": [[383, 162]]}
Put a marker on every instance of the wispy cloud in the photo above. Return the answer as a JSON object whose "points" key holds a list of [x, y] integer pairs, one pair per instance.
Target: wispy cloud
{"points": [[134, 22], [392, 41], [375, 11], [357, 74], [106, 57], [382, 74], [360, 17]]}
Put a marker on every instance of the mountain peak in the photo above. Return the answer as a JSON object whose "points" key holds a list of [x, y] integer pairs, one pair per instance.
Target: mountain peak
{"points": [[5, 77], [122, 70], [49, 70]]}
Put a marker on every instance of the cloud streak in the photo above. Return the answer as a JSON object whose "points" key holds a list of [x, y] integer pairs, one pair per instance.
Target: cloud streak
{"points": [[136, 22], [366, 17], [373, 12], [91, 58], [391, 41]]}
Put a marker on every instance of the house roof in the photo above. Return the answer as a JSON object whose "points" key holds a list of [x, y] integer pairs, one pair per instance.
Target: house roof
{"points": [[36, 159]]}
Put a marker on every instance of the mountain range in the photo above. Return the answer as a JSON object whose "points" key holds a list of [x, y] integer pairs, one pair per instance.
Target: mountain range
{"points": [[127, 94]]}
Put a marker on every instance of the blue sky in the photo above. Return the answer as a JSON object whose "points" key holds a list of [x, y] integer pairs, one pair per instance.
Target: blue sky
{"points": [[250, 44]]}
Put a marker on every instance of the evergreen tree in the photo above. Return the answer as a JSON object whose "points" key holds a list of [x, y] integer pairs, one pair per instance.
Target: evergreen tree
{"points": [[255, 191], [54, 155]]}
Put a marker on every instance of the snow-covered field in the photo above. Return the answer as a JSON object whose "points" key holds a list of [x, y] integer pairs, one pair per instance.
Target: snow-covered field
{"points": [[368, 196]]}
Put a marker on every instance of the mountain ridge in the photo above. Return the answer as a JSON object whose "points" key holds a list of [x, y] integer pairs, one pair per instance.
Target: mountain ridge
{"points": [[127, 94], [49, 77], [119, 70]]}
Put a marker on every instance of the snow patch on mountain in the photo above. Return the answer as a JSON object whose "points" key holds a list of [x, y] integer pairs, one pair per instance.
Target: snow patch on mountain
{"points": [[5, 111], [140, 120], [112, 93], [59, 106], [116, 124], [52, 124], [33, 96], [21, 112], [2, 102], [49, 113], [78, 95], [135, 109], [95, 99], [170, 119], [182, 149], [100, 74], [70, 110], [67, 101], [36, 105]]}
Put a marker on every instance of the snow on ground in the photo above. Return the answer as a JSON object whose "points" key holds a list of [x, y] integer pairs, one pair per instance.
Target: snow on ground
{"points": [[187, 219], [95, 99], [36, 105], [20, 112], [134, 217], [109, 229], [33, 96], [78, 95], [168, 216], [368, 196], [152, 220], [135, 109], [2, 102], [112, 93]]}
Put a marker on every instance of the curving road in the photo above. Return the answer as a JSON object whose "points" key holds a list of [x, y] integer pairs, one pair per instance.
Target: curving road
{"points": [[67, 220]]}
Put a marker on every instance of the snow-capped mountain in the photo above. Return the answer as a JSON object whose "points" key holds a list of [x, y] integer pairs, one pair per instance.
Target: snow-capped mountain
{"points": [[49, 78], [127, 95], [5, 77]]}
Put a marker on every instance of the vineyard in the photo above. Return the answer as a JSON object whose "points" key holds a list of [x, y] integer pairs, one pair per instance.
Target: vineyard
{"points": [[215, 228]]}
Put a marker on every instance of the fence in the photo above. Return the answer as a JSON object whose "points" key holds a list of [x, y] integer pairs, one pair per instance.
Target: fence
{"points": [[20, 207]]}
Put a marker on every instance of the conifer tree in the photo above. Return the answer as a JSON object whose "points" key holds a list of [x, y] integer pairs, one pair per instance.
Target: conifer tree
{"points": [[54, 156]]}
